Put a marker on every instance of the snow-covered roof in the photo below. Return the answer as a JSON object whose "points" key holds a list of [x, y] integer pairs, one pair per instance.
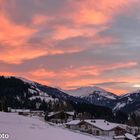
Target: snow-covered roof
{"points": [[124, 126], [20, 110], [74, 122], [54, 113], [102, 124], [127, 135], [119, 137], [70, 113], [130, 136]]}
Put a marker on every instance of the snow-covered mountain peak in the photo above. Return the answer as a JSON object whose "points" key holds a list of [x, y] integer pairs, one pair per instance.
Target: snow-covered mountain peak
{"points": [[88, 91], [83, 91]]}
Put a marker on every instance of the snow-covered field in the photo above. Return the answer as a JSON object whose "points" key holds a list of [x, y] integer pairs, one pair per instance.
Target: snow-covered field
{"points": [[26, 128]]}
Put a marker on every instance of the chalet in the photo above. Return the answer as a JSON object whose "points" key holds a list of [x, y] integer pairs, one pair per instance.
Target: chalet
{"points": [[39, 113], [60, 117], [97, 127], [73, 124], [101, 127], [21, 111], [27, 112]]}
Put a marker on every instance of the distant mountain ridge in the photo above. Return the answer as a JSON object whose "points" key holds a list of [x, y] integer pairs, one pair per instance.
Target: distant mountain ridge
{"points": [[18, 92], [94, 95], [34, 89], [129, 102], [22, 91], [85, 91]]}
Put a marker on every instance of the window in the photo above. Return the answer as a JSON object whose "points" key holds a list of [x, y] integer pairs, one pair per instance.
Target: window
{"points": [[97, 132]]}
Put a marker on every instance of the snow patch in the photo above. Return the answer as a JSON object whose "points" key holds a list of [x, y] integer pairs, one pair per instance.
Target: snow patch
{"points": [[119, 106]]}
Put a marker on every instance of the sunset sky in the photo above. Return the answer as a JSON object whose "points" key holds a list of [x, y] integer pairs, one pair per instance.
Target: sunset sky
{"points": [[72, 43]]}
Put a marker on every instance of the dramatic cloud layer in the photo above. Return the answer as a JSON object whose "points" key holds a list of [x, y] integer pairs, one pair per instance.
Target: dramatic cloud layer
{"points": [[72, 43]]}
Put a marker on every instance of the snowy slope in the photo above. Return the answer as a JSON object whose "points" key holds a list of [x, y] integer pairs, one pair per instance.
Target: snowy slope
{"points": [[33, 90], [38, 94], [22, 90], [129, 102], [24, 128]]}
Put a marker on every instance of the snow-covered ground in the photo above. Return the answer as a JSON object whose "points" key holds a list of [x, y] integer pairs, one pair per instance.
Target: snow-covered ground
{"points": [[26, 128]]}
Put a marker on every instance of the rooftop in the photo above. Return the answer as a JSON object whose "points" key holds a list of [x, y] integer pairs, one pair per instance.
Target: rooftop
{"points": [[102, 124]]}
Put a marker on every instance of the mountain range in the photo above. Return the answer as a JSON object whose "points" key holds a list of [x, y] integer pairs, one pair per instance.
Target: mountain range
{"points": [[94, 95], [128, 102], [19, 91]]}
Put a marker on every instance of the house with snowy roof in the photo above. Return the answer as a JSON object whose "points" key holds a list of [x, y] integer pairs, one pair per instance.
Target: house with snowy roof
{"points": [[97, 127], [126, 136], [27, 112], [21, 111], [73, 124], [60, 117], [39, 113]]}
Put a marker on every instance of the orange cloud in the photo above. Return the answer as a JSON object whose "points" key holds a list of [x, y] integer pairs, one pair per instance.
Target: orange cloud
{"points": [[39, 19], [19, 54], [87, 18], [97, 69], [72, 77], [7, 73], [117, 91], [14, 39], [90, 16], [97, 13], [43, 73], [14, 42], [13, 34], [63, 32], [89, 70]]}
